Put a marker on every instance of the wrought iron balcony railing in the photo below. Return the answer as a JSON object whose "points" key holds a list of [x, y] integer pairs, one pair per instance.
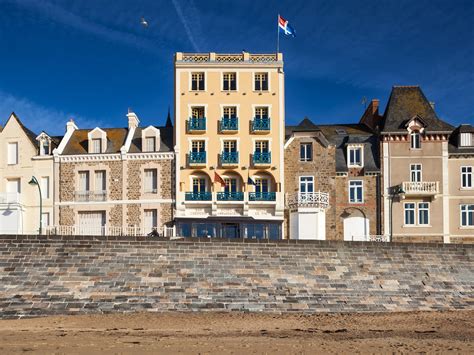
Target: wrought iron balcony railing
{"points": [[196, 124], [261, 124], [230, 196], [308, 199], [262, 158], [228, 158], [198, 196], [197, 158], [229, 124], [262, 196]]}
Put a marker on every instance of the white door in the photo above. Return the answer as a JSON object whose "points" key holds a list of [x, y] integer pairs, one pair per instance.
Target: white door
{"points": [[356, 228], [91, 223]]}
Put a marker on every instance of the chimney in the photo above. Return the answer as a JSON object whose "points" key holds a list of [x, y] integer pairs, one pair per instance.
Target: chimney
{"points": [[71, 126], [371, 115], [133, 120]]}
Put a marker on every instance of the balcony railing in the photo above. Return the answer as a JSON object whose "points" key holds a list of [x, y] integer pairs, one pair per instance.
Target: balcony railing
{"points": [[262, 196], [316, 199], [198, 196], [196, 124], [229, 124], [197, 158], [262, 158], [420, 188], [9, 197], [133, 231], [261, 124], [228, 158], [230, 196], [90, 196]]}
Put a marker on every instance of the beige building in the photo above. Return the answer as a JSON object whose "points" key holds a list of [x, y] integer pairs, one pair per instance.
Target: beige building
{"points": [[114, 181], [229, 137], [24, 155]]}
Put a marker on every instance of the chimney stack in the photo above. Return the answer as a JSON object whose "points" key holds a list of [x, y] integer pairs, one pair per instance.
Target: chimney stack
{"points": [[133, 120], [71, 126]]}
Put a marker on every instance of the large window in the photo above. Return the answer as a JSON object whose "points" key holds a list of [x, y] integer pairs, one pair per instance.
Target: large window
{"points": [[261, 112], [306, 184], [199, 185], [83, 181], [356, 191], [151, 181], [261, 185], [230, 82], [100, 181], [415, 172], [230, 112], [230, 146], [261, 82], [198, 146], [261, 146], [466, 177], [197, 82], [306, 152], [151, 220], [467, 215], [355, 157], [198, 112], [230, 185], [415, 141], [12, 153], [423, 213], [409, 213]]}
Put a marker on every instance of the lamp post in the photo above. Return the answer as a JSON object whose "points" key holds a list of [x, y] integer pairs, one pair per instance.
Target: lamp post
{"points": [[396, 191], [33, 182]]}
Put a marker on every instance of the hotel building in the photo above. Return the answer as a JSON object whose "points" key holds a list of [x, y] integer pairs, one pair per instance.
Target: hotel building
{"points": [[229, 137]]}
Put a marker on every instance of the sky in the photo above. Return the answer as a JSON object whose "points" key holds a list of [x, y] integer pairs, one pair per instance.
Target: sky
{"points": [[91, 60]]}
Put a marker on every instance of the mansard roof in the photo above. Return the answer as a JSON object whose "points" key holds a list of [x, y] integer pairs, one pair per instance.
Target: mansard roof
{"points": [[78, 143], [166, 138], [454, 147], [407, 102]]}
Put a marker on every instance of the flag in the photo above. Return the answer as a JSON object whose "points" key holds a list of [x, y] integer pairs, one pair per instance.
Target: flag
{"points": [[285, 27], [250, 181], [219, 179]]}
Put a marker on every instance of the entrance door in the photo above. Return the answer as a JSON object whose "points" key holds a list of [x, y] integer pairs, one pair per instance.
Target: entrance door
{"points": [[356, 228], [91, 223], [230, 230]]}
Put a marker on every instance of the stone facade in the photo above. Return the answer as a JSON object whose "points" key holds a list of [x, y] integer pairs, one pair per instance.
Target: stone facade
{"points": [[101, 275]]}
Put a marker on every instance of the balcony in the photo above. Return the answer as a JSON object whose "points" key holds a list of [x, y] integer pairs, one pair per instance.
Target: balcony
{"points": [[262, 158], [90, 196], [261, 125], [197, 158], [422, 188], [230, 196], [229, 125], [9, 197], [198, 196], [197, 125], [308, 199], [230, 158], [262, 196]]}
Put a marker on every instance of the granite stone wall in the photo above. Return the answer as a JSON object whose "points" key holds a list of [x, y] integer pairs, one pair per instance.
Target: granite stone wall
{"points": [[75, 275]]}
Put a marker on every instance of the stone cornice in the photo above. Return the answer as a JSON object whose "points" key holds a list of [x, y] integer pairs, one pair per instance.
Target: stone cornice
{"points": [[116, 157]]}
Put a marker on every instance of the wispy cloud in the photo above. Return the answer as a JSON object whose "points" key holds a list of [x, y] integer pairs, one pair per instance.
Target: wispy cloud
{"points": [[187, 22], [37, 117]]}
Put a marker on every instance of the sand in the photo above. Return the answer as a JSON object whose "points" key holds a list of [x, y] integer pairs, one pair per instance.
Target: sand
{"points": [[226, 333]]}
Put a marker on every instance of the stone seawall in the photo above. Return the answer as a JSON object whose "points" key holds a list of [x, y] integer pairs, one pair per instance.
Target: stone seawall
{"points": [[71, 275]]}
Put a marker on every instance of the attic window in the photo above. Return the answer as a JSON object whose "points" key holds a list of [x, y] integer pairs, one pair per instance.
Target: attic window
{"points": [[355, 156], [44, 148], [96, 145], [415, 140], [465, 139], [341, 132]]}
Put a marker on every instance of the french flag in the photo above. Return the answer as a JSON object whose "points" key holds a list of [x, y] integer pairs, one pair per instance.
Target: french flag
{"points": [[285, 27]]}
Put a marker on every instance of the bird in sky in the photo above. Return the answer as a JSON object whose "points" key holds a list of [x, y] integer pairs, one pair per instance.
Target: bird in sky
{"points": [[143, 22]]}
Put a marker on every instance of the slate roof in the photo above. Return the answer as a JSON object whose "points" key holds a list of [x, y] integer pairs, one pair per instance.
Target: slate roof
{"points": [[454, 147], [166, 137], [77, 144], [406, 102]]}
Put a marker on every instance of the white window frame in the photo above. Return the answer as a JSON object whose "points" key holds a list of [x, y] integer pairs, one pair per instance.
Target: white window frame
{"points": [[268, 81], [413, 170], [13, 156], [149, 139], [150, 182], [469, 177], [94, 142], [467, 211], [153, 212], [100, 180], [310, 181], [45, 187], [419, 209], [350, 187], [87, 174], [191, 81], [405, 215], [354, 148], [45, 219], [223, 74], [305, 158], [466, 139], [412, 140]]}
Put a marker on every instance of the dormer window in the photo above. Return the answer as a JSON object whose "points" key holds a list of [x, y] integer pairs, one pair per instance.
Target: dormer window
{"points": [[415, 140], [466, 140], [150, 145], [44, 148], [96, 143], [44, 143], [355, 156], [150, 139]]}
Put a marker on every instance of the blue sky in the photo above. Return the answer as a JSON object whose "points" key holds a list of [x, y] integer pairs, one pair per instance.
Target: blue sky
{"points": [[91, 60]]}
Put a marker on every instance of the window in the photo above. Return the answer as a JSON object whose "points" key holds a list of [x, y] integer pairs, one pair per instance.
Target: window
{"points": [[415, 142], [409, 214], [198, 146], [261, 146], [230, 146], [151, 182], [306, 152], [465, 139], [261, 112], [466, 177], [83, 181], [14, 185], [45, 219], [12, 153], [467, 215], [197, 112], [45, 186], [355, 191], [230, 112], [261, 81], [423, 213], [100, 181], [96, 145], [306, 184], [355, 156], [197, 81], [261, 185], [150, 144], [151, 220], [415, 172], [199, 185], [44, 147], [230, 82], [230, 185]]}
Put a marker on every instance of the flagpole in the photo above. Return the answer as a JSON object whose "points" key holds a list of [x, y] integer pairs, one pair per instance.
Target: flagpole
{"points": [[278, 36]]}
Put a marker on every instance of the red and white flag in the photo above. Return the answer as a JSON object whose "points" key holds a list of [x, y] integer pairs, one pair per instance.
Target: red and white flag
{"points": [[219, 179]]}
